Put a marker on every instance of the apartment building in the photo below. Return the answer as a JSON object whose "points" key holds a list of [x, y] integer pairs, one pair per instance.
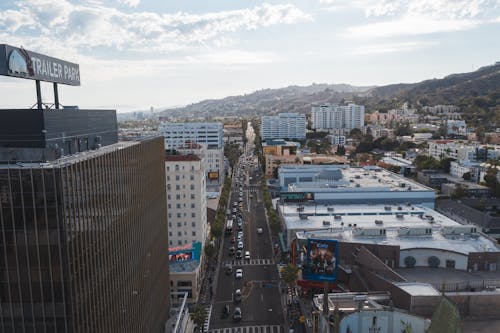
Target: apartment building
{"points": [[283, 126], [325, 117]]}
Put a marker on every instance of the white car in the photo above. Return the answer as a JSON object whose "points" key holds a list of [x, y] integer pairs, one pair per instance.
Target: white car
{"points": [[240, 245], [239, 273], [247, 254], [260, 231]]}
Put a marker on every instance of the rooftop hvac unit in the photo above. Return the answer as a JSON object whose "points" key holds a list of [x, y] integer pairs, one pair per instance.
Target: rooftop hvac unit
{"points": [[400, 216], [337, 217], [330, 209], [379, 222], [326, 222], [459, 229], [414, 231], [300, 209], [388, 208], [368, 232], [303, 216]]}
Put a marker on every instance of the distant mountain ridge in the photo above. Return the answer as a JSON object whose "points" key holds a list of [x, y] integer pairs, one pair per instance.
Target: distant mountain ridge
{"points": [[462, 89]]}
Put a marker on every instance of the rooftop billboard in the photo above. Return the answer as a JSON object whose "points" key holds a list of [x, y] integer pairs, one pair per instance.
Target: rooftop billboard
{"points": [[21, 63], [321, 260]]}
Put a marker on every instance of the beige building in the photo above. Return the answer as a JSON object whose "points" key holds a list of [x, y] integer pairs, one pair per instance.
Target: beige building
{"points": [[186, 199], [279, 152]]}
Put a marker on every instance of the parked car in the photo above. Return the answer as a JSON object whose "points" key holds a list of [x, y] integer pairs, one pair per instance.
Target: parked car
{"points": [[240, 245], [239, 273], [237, 314], [260, 231], [231, 250], [247, 254], [237, 295]]}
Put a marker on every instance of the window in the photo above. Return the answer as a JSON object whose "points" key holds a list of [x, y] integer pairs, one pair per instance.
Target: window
{"points": [[192, 186], [193, 214], [193, 224], [177, 167], [179, 215], [170, 233], [177, 177], [179, 242], [168, 187], [169, 197], [169, 206], [169, 215], [179, 224], [191, 177], [193, 205], [179, 233], [194, 233], [193, 196], [178, 206], [178, 197], [168, 168], [168, 177], [170, 224]]}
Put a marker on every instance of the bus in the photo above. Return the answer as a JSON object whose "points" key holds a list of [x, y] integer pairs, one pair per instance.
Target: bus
{"points": [[229, 227]]}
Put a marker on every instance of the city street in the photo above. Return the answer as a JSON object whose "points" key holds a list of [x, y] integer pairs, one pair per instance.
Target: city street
{"points": [[261, 301]]}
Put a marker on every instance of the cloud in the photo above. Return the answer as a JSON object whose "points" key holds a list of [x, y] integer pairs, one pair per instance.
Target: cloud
{"points": [[94, 25], [131, 3], [383, 48], [413, 25], [407, 17]]}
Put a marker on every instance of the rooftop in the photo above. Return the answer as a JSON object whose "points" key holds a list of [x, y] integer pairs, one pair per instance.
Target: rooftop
{"points": [[406, 226], [418, 289], [182, 158], [342, 178]]}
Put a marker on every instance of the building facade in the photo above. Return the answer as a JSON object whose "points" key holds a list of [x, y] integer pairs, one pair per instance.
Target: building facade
{"points": [[186, 197], [84, 241], [283, 126], [325, 117], [177, 134]]}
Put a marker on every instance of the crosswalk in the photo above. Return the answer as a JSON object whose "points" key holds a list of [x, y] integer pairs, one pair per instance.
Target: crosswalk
{"points": [[247, 262], [250, 329], [207, 320]]}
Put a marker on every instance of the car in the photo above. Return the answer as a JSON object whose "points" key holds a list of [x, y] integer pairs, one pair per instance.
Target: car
{"points": [[229, 269], [247, 254], [240, 238], [239, 254], [240, 233], [231, 250], [225, 312], [240, 245], [237, 295], [239, 273], [237, 314], [260, 231]]}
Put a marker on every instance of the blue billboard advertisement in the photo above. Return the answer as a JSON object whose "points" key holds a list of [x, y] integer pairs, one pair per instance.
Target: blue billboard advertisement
{"points": [[321, 260]]}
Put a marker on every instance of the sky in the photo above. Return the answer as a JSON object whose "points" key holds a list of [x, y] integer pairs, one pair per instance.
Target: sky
{"points": [[137, 54]]}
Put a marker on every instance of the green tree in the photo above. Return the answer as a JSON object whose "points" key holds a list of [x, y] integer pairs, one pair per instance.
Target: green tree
{"points": [[290, 274], [209, 250], [199, 315], [340, 150], [355, 133], [403, 129], [459, 192], [445, 164]]}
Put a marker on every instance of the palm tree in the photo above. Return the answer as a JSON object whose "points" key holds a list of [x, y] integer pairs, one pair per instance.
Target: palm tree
{"points": [[199, 315]]}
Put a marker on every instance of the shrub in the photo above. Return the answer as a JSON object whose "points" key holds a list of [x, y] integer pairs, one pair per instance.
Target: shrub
{"points": [[410, 261], [433, 261]]}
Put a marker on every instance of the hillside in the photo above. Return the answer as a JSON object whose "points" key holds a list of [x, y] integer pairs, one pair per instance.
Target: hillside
{"points": [[477, 93], [269, 101]]}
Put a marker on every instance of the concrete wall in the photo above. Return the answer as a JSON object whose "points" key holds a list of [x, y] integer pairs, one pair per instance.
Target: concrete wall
{"points": [[422, 256], [382, 321]]}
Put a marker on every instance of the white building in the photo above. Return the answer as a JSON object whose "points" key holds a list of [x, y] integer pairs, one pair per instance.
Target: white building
{"points": [[283, 126], [213, 159], [456, 127], [337, 140], [177, 134], [458, 169], [325, 117], [186, 199], [462, 151], [350, 185]]}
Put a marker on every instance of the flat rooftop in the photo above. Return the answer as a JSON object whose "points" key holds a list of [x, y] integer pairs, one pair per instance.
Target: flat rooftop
{"points": [[73, 158], [418, 289], [360, 179], [363, 224]]}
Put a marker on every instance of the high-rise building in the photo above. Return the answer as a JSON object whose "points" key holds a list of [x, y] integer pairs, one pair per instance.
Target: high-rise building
{"points": [[349, 116], [83, 225], [283, 126], [181, 136], [186, 197]]}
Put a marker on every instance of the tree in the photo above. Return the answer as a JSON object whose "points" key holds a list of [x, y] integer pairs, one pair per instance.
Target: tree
{"points": [[403, 129], [209, 250], [355, 133], [459, 192], [445, 164], [199, 315], [290, 274], [340, 150]]}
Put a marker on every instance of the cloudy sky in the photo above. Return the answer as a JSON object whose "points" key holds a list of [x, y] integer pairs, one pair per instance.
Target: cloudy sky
{"points": [[134, 54]]}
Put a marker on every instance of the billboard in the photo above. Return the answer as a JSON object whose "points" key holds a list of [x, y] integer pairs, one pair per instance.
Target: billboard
{"points": [[18, 62], [297, 196], [188, 252], [213, 175], [321, 260]]}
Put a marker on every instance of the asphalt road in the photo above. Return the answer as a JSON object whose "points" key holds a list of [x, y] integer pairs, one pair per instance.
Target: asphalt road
{"points": [[261, 304]]}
